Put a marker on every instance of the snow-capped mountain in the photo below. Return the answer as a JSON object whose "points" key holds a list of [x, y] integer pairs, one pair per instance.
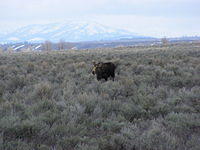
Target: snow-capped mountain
{"points": [[73, 31]]}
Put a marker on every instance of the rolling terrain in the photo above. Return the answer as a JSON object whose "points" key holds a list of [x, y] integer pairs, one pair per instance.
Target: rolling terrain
{"points": [[71, 31], [51, 101]]}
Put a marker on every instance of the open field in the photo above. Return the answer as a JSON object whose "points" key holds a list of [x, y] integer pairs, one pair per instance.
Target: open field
{"points": [[51, 101]]}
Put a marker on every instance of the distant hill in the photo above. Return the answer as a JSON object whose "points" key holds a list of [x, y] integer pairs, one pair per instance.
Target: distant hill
{"points": [[74, 31]]}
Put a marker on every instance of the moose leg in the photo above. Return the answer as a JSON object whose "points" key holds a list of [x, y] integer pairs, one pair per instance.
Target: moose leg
{"points": [[99, 77], [113, 76]]}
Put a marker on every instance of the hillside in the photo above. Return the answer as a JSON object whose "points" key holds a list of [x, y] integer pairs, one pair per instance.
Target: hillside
{"points": [[72, 31], [51, 101]]}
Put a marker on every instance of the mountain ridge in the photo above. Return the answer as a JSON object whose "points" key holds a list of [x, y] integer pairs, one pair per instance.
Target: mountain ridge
{"points": [[74, 31]]}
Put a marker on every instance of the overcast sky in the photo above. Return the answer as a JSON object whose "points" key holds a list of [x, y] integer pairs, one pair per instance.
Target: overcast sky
{"points": [[157, 18]]}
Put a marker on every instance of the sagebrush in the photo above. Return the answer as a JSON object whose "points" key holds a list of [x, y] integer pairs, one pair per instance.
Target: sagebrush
{"points": [[51, 100]]}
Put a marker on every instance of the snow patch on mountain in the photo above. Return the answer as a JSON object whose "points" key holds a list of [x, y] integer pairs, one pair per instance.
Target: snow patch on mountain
{"points": [[37, 39], [73, 31], [38, 46], [18, 47]]}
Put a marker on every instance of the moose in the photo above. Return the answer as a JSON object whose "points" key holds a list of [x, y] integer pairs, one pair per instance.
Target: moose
{"points": [[104, 70]]}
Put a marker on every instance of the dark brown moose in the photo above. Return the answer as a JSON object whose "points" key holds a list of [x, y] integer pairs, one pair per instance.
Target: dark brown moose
{"points": [[104, 70]]}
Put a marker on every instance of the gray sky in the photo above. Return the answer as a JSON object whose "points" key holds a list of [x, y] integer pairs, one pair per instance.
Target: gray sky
{"points": [[157, 18]]}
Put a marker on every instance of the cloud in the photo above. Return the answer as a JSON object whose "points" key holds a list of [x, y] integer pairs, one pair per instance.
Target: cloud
{"points": [[43, 8], [41, 5], [153, 17], [156, 26], [65, 8], [153, 7]]}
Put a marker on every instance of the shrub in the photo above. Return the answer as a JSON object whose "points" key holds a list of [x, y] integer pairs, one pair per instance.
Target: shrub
{"points": [[52, 101], [43, 91]]}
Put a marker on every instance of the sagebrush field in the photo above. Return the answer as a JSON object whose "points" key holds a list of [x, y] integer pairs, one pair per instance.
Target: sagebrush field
{"points": [[51, 101]]}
